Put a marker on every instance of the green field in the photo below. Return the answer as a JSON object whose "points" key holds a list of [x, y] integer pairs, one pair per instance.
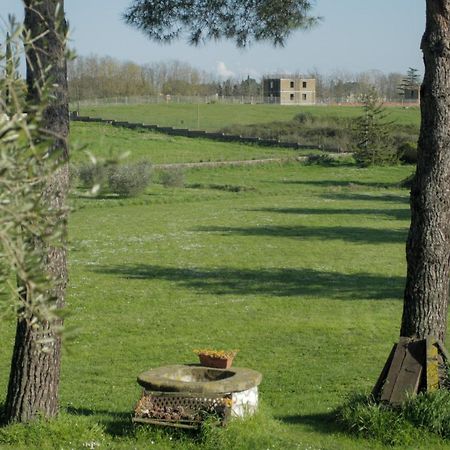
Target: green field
{"points": [[106, 141], [217, 116], [303, 272]]}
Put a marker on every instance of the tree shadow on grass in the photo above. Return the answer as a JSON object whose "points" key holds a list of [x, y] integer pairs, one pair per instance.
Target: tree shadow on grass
{"points": [[366, 197], [279, 282], [344, 183], [323, 423], [397, 213], [348, 234]]}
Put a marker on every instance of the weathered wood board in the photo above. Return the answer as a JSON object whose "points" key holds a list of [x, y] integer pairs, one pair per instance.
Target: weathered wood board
{"points": [[412, 366], [409, 375], [394, 370]]}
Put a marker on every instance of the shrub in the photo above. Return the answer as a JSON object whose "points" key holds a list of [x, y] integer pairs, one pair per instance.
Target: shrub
{"points": [[304, 118], [74, 175], [320, 160], [91, 175], [326, 160], [129, 180], [407, 152], [172, 177]]}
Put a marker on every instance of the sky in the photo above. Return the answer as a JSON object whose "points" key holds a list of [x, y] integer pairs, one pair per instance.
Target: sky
{"points": [[354, 36]]}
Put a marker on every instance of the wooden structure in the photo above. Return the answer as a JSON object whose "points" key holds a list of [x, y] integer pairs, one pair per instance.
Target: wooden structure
{"points": [[413, 366]]}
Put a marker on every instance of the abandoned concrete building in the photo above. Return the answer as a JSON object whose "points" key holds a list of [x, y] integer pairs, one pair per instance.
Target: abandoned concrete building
{"points": [[290, 91]]}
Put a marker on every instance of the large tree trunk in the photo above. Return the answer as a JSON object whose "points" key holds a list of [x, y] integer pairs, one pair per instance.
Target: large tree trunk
{"points": [[428, 246], [35, 370]]}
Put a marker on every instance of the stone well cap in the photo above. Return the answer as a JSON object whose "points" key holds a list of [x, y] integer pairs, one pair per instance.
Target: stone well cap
{"points": [[182, 378]]}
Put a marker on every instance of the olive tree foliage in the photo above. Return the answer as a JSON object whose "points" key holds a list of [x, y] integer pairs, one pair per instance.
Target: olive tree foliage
{"points": [[243, 21], [27, 223]]}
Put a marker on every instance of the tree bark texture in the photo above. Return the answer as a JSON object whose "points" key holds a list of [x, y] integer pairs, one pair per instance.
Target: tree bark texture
{"points": [[428, 244], [35, 371]]}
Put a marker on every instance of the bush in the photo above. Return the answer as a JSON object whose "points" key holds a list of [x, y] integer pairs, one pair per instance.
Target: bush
{"points": [[172, 177], [91, 175], [130, 179], [74, 175], [304, 118], [320, 160], [407, 152]]}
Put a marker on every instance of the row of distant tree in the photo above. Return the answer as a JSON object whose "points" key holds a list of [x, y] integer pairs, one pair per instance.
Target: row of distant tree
{"points": [[105, 77]]}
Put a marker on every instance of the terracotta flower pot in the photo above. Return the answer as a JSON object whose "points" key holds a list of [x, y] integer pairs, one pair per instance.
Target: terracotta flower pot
{"points": [[218, 363]]}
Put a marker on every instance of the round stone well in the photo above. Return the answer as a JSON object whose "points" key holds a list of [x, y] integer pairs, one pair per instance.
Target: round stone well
{"points": [[180, 394]]}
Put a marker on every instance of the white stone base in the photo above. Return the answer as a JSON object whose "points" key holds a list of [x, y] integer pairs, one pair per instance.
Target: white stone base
{"points": [[244, 403]]}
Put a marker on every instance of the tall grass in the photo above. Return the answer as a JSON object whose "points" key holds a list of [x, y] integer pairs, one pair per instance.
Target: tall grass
{"points": [[415, 421]]}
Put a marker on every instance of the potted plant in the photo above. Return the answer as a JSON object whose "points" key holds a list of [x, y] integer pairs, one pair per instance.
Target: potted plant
{"points": [[220, 359]]}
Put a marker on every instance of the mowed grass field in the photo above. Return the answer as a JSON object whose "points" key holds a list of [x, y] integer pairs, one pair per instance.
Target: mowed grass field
{"points": [[108, 142], [303, 272], [217, 116]]}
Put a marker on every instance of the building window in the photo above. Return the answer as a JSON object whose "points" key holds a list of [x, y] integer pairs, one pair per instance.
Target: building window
{"points": [[292, 84], [271, 85], [304, 85], [303, 96], [292, 96]]}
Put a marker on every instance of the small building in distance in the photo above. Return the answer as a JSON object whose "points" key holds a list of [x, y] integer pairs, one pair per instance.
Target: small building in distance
{"points": [[289, 91]]}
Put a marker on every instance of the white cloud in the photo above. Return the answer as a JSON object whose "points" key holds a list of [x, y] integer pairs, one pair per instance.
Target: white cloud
{"points": [[223, 71]]}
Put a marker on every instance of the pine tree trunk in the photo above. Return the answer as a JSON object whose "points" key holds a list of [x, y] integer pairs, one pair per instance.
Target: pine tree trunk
{"points": [[428, 245], [34, 377]]}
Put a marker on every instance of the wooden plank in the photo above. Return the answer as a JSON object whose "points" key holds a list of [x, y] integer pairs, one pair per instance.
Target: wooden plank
{"points": [[432, 364], [383, 375], [410, 373], [391, 378]]}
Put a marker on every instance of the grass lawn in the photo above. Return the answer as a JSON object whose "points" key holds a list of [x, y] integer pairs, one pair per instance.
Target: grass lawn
{"points": [[106, 141], [217, 116], [303, 274]]}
